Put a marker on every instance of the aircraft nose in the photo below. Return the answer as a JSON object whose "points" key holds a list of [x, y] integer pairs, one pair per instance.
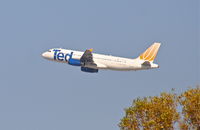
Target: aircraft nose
{"points": [[44, 54]]}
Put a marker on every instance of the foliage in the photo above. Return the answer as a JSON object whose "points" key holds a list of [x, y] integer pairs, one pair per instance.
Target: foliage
{"points": [[190, 101], [157, 112], [160, 112]]}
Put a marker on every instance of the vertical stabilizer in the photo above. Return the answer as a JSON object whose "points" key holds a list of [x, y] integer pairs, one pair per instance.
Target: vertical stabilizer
{"points": [[150, 53]]}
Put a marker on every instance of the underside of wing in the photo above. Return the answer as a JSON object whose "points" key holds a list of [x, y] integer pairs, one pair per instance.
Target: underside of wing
{"points": [[87, 59], [87, 62]]}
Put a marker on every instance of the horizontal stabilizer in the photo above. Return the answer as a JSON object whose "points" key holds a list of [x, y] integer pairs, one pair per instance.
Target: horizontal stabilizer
{"points": [[146, 64]]}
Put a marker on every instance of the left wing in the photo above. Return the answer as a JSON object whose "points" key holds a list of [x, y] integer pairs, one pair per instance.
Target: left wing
{"points": [[87, 59], [87, 62]]}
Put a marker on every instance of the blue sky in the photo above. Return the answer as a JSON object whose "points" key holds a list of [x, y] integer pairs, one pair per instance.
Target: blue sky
{"points": [[36, 94]]}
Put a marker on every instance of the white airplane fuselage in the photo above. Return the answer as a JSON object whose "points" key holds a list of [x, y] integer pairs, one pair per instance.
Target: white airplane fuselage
{"points": [[102, 61]]}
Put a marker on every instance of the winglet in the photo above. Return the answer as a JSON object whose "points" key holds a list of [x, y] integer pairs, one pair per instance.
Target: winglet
{"points": [[91, 49], [150, 53]]}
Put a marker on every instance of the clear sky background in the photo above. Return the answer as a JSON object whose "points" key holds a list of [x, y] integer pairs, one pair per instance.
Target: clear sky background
{"points": [[36, 94]]}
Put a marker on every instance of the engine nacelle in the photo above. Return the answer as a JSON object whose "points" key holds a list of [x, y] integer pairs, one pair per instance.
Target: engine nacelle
{"points": [[90, 70], [74, 62]]}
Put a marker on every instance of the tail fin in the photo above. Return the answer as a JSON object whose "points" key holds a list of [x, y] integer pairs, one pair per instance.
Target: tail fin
{"points": [[150, 53]]}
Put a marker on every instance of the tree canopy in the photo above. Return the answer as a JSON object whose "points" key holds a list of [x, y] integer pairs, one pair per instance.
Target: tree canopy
{"points": [[190, 102], [160, 112]]}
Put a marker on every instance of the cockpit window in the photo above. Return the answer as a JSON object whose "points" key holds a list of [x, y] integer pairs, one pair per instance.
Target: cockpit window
{"points": [[49, 50]]}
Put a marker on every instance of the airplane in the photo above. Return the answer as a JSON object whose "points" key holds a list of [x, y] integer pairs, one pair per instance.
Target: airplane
{"points": [[92, 62]]}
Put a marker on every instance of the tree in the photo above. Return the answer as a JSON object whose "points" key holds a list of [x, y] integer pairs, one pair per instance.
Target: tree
{"points": [[158, 112], [190, 102]]}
